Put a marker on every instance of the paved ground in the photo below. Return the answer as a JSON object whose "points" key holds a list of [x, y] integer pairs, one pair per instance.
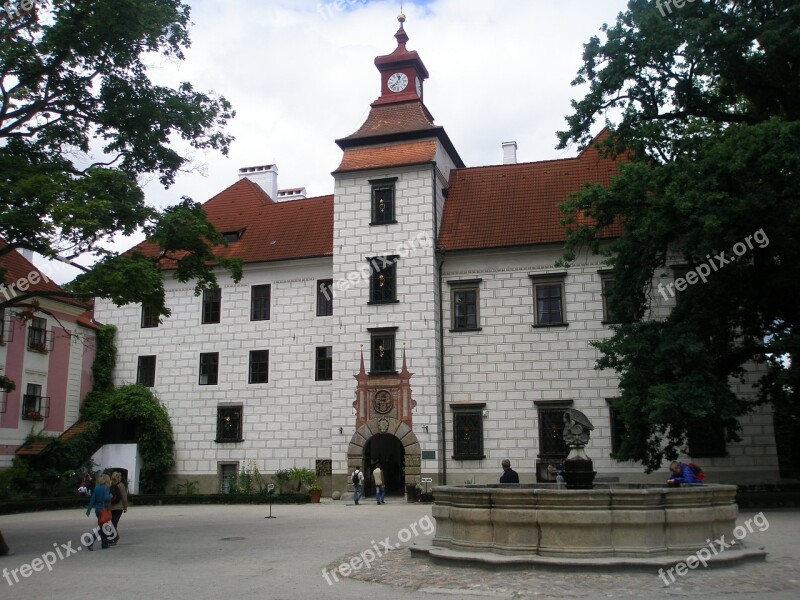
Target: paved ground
{"points": [[198, 552]]}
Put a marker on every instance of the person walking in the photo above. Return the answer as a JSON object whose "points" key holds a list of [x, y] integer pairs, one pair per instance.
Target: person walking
{"points": [[119, 503], [358, 485], [509, 475], [100, 499], [380, 488]]}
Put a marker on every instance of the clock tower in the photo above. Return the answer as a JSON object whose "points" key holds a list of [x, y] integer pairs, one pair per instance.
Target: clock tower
{"points": [[402, 72], [389, 192]]}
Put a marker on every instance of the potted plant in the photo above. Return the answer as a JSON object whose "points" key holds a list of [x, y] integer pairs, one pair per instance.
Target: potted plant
{"points": [[308, 478], [33, 415], [315, 492]]}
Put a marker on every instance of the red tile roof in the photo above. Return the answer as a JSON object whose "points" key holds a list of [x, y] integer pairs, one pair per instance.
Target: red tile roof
{"points": [[272, 230], [517, 205], [371, 157], [37, 446], [389, 119], [18, 267]]}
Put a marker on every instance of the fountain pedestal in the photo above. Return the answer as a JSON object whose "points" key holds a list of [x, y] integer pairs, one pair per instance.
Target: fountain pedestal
{"points": [[579, 474]]}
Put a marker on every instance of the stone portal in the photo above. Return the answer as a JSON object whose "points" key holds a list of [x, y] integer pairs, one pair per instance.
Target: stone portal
{"points": [[384, 417]]}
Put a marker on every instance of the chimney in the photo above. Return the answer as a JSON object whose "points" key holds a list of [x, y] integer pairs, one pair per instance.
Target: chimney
{"points": [[266, 177], [509, 153], [291, 194], [26, 253]]}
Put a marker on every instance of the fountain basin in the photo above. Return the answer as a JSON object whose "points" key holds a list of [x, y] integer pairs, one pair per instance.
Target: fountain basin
{"points": [[626, 522]]}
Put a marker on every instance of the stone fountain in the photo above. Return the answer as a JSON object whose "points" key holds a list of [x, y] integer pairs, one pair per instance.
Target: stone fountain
{"points": [[605, 524]]}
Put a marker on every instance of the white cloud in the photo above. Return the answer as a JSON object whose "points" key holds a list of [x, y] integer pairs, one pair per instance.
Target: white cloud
{"points": [[301, 75]]}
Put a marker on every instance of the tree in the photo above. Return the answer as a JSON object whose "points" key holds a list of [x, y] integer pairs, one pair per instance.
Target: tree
{"points": [[74, 84], [708, 98]]}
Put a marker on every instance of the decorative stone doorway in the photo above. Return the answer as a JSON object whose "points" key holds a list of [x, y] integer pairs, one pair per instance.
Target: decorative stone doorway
{"points": [[383, 410], [388, 439]]}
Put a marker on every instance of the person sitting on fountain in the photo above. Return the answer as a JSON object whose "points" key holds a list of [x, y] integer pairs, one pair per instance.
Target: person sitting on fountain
{"points": [[681, 474]]}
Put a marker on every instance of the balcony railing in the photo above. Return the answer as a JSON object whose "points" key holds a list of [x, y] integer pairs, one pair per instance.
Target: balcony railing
{"points": [[35, 408]]}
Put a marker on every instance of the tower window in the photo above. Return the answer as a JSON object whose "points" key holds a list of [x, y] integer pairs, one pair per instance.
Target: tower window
{"points": [[383, 195]]}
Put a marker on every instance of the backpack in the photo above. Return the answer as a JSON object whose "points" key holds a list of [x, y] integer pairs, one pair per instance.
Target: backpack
{"points": [[116, 495], [698, 472], [356, 478]]}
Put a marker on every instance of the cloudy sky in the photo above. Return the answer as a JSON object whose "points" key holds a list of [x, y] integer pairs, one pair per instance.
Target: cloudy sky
{"points": [[300, 74]]}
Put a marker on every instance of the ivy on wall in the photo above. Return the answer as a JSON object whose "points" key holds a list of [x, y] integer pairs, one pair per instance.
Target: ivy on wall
{"points": [[139, 407], [55, 470]]}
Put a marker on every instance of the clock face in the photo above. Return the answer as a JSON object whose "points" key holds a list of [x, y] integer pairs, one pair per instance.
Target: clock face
{"points": [[419, 87], [397, 82]]}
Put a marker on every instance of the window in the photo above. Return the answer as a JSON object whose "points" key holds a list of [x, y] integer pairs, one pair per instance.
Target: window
{"points": [[259, 366], [383, 201], [465, 299], [146, 371], [324, 363], [324, 297], [706, 439], [548, 301], [618, 429], [611, 314], [2, 325], [212, 301], [228, 473], [551, 430], [468, 433], [35, 407], [37, 334], [259, 302], [383, 282], [229, 424], [3, 402], [232, 236], [149, 316], [382, 350], [209, 365]]}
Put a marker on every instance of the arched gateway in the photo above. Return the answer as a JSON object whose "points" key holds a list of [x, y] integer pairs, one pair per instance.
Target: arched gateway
{"points": [[391, 443], [384, 417]]}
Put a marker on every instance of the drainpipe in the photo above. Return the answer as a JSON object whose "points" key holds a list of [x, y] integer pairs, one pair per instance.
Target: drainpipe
{"points": [[439, 254]]}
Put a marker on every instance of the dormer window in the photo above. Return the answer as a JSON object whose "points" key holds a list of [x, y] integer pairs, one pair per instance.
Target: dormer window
{"points": [[232, 236]]}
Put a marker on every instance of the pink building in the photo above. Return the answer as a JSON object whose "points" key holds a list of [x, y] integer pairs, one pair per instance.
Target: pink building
{"points": [[47, 347]]}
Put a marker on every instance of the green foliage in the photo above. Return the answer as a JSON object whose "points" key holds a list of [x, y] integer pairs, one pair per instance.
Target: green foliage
{"points": [[105, 358], [303, 476], [710, 124], [188, 488], [74, 84], [137, 404], [282, 477], [248, 481]]}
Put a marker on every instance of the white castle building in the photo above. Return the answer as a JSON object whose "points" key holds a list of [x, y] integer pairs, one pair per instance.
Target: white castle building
{"points": [[413, 318]]}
